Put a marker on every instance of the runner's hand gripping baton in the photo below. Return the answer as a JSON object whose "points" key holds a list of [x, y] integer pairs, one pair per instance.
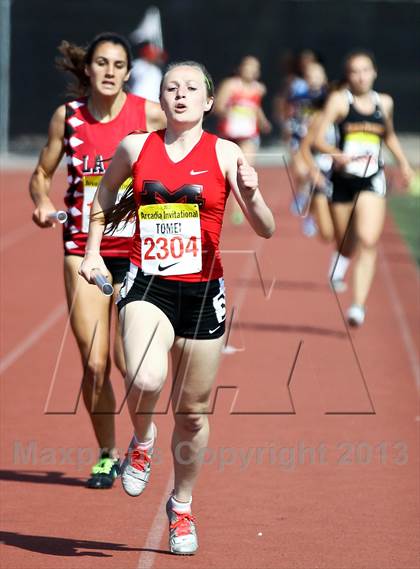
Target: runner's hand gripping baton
{"points": [[102, 283], [60, 216]]}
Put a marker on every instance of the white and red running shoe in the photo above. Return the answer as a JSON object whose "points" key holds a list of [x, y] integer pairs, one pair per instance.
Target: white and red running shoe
{"points": [[182, 532], [135, 470]]}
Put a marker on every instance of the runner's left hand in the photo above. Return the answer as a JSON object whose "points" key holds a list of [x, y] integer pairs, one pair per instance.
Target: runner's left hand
{"points": [[247, 177], [407, 173], [266, 127]]}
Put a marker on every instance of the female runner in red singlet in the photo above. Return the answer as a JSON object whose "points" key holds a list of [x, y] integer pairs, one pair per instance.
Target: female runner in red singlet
{"points": [[238, 104], [87, 130], [173, 299], [242, 119]]}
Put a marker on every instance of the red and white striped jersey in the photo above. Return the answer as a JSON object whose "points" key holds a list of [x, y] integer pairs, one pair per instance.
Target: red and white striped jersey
{"points": [[89, 147]]}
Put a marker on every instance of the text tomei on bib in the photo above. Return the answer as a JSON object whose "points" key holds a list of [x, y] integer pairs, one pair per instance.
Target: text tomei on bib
{"points": [[170, 237]]}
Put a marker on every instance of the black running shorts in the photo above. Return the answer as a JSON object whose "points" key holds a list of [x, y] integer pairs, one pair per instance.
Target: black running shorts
{"points": [[195, 310], [118, 267], [345, 188]]}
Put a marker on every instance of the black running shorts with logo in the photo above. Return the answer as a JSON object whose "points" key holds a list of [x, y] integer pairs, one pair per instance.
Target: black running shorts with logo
{"points": [[195, 310], [345, 188]]}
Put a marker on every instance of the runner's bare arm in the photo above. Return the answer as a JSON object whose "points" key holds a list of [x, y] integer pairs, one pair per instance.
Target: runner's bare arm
{"points": [[222, 97], [278, 109], [243, 180], [49, 159], [335, 110], [391, 139], [263, 123], [118, 171], [155, 117], [305, 150]]}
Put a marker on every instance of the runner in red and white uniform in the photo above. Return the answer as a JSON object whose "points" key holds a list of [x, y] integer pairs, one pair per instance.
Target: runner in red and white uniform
{"points": [[89, 146], [173, 298], [87, 130], [242, 119], [197, 180]]}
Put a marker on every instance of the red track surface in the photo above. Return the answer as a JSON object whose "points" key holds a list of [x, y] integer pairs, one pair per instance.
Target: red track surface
{"points": [[350, 503]]}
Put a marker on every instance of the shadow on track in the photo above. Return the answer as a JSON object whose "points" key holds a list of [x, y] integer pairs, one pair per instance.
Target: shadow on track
{"points": [[41, 477], [64, 547]]}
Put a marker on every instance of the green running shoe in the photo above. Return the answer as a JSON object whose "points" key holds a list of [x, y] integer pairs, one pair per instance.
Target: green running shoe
{"points": [[104, 472]]}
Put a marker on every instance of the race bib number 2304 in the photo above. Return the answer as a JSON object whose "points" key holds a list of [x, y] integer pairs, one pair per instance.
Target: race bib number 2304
{"points": [[170, 239]]}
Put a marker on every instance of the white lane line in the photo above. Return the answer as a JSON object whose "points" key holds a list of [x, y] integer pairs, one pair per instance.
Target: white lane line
{"points": [[158, 527], [16, 235], [33, 337], [409, 343]]}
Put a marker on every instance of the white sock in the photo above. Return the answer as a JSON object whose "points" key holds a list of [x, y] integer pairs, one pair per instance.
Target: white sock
{"points": [[144, 445], [181, 507], [338, 266]]}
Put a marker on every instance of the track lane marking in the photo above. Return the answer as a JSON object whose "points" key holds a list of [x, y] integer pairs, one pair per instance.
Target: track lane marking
{"points": [[33, 337], [399, 312]]}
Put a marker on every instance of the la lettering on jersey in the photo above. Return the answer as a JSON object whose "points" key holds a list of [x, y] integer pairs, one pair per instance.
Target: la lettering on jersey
{"points": [[89, 147], [179, 238], [97, 164]]}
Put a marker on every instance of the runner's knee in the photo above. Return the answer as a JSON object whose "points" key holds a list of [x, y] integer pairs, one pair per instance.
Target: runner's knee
{"points": [[368, 242], [326, 234], [147, 380], [95, 372], [94, 379], [192, 422]]}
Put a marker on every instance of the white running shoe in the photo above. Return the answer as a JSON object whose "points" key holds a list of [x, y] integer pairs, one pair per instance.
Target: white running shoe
{"points": [[338, 285], [135, 470], [356, 315], [182, 533]]}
